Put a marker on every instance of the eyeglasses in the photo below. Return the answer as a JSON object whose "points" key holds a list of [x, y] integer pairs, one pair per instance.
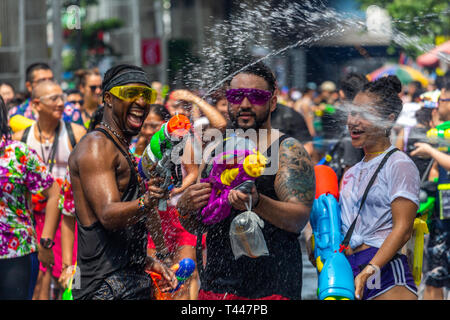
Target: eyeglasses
{"points": [[80, 102], [132, 93], [53, 98], [93, 88], [255, 96]]}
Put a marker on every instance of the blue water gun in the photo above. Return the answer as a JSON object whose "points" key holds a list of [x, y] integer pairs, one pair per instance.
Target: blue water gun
{"points": [[335, 274], [183, 271]]}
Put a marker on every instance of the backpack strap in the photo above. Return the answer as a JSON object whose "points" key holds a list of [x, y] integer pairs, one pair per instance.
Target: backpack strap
{"points": [[346, 241], [69, 129], [25, 134]]}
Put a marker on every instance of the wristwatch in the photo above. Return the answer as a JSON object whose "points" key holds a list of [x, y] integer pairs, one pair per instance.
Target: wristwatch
{"points": [[47, 243]]}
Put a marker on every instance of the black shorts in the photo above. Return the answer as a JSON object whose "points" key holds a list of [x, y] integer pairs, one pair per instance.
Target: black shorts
{"points": [[438, 254], [124, 285]]}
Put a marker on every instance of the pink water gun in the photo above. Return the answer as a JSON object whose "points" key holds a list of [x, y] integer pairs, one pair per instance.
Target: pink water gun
{"points": [[235, 169]]}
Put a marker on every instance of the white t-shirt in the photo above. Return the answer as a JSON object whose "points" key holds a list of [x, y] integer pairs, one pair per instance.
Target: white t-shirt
{"points": [[399, 177]]}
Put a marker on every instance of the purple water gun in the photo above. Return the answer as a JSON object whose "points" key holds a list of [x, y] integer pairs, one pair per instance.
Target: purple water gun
{"points": [[235, 169]]}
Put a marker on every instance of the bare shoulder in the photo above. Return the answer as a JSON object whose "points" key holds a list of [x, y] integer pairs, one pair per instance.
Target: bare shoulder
{"points": [[94, 149], [295, 180], [78, 130]]}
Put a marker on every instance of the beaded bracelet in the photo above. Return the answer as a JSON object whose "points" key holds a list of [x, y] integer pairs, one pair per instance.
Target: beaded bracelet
{"points": [[141, 203]]}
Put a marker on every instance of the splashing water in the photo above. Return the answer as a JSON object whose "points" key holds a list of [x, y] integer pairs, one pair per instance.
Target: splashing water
{"points": [[275, 30]]}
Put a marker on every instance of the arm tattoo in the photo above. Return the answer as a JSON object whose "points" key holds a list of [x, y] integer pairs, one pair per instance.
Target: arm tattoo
{"points": [[295, 179]]}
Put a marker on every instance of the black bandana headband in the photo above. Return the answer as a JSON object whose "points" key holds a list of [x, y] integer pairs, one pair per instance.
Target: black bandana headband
{"points": [[132, 76]]}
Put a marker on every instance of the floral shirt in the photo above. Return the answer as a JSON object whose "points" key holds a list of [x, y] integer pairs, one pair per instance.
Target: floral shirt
{"points": [[66, 203], [21, 171]]}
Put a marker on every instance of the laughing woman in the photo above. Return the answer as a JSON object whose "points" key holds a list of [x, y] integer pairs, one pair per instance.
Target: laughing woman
{"points": [[385, 222]]}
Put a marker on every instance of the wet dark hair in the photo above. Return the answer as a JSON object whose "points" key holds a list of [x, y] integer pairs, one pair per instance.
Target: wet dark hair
{"points": [[423, 116], [258, 69], [160, 110], [351, 84], [386, 91], [4, 128], [33, 67]]}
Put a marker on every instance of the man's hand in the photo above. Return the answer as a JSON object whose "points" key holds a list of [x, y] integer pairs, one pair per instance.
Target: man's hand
{"points": [[46, 256], [195, 197], [239, 199], [422, 150], [168, 279], [154, 192]]}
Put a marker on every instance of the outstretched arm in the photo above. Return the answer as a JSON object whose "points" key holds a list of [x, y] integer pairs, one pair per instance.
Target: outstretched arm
{"points": [[214, 116], [424, 149]]}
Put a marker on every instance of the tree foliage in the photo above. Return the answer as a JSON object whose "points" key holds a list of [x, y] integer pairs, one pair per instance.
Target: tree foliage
{"points": [[424, 19]]}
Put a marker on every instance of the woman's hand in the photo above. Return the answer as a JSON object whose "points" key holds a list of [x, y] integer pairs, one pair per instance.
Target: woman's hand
{"points": [[361, 280], [182, 94], [46, 256]]}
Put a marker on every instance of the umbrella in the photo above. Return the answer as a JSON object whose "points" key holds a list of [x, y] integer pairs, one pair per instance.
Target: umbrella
{"points": [[432, 57], [406, 74]]}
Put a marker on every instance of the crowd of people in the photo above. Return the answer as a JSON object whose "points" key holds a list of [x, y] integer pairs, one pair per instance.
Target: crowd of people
{"points": [[73, 200]]}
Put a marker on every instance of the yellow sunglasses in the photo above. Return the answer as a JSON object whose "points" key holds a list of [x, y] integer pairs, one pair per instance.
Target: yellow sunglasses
{"points": [[132, 93]]}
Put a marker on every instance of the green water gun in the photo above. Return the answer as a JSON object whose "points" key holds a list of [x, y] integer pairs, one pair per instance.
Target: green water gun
{"points": [[67, 294], [440, 136]]}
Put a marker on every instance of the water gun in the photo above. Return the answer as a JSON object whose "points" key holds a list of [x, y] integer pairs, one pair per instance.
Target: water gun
{"points": [[19, 123], [183, 271], [335, 276], [67, 294], [430, 98], [236, 169], [159, 152], [427, 197], [440, 136]]}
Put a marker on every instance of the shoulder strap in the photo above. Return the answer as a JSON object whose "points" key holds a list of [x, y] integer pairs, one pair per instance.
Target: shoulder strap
{"points": [[69, 129], [132, 188], [347, 237], [25, 134]]}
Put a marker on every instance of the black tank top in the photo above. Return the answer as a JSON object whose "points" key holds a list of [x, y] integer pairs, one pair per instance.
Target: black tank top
{"points": [[102, 252], [280, 273]]}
